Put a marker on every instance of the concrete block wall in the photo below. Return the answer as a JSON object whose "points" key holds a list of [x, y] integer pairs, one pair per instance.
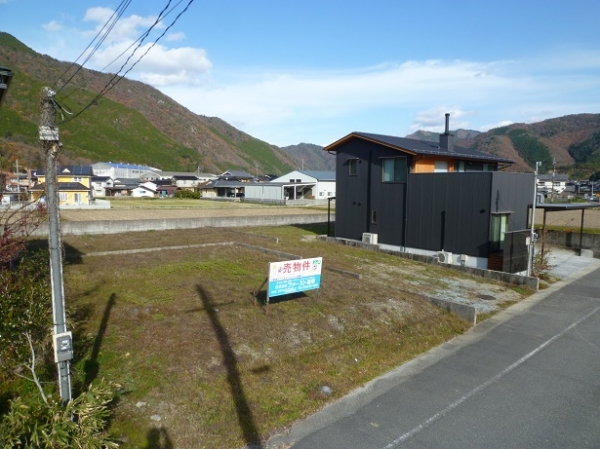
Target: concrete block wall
{"points": [[572, 240], [122, 226], [508, 278]]}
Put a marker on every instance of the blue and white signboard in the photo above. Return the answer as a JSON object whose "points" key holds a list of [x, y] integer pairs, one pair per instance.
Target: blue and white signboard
{"points": [[294, 276]]}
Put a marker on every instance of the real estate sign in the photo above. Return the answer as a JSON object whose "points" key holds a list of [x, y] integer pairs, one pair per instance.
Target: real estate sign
{"points": [[294, 276]]}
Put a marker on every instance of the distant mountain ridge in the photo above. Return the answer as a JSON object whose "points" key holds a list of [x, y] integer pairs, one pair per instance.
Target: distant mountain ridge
{"points": [[570, 144], [311, 157], [136, 123], [132, 123]]}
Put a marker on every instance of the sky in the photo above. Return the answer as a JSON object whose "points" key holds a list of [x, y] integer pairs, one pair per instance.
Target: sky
{"points": [[292, 71]]}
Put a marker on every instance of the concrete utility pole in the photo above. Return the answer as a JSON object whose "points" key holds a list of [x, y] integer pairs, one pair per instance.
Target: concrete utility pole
{"points": [[532, 233], [63, 346]]}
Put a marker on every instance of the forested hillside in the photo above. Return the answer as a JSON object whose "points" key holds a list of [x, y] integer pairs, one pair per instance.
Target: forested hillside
{"points": [[132, 122], [569, 144], [135, 123]]}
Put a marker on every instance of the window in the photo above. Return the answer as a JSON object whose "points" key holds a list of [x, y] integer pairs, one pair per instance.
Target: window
{"points": [[440, 167], [462, 166], [77, 198], [394, 169], [77, 179], [499, 228], [353, 167], [63, 196], [374, 216]]}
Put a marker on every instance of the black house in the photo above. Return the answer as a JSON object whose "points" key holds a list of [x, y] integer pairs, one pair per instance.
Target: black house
{"points": [[434, 198]]}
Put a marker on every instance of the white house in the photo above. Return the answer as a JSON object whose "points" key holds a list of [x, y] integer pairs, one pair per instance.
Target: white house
{"points": [[145, 190], [550, 182], [296, 185], [305, 184], [99, 185]]}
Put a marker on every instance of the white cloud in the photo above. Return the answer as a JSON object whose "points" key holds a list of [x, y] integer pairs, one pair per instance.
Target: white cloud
{"points": [[159, 64], [173, 37], [52, 26], [434, 119], [500, 124], [387, 98], [126, 29]]}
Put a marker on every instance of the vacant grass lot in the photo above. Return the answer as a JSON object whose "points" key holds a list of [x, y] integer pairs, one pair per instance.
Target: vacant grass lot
{"points": [[200, 366]]}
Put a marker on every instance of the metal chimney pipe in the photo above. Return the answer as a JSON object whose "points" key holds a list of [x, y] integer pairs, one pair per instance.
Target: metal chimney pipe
{"points": [[447, 123]]}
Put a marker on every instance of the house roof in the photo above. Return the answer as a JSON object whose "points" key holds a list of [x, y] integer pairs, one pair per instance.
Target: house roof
{"points": [[237, 174], [319, 175], [123, 165], [62, 187], [417, 147], [75, 170], [550, 177], [186, 177], [223, 183], [126, 182]]}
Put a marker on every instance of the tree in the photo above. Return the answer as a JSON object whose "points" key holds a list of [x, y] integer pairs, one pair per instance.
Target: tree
{"points": [[17, 223]]}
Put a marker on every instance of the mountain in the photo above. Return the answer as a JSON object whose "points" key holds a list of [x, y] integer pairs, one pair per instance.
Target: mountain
{"points": [[570, 144], [132, 122], [429, 136], [135, 123], [311, 157]]}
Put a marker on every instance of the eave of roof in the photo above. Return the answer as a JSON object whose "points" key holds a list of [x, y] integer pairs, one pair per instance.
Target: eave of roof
{"points": [[415, 147]]}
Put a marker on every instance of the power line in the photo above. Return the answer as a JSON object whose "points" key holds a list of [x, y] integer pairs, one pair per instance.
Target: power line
{"points": [[118, 77], [111, 22]]}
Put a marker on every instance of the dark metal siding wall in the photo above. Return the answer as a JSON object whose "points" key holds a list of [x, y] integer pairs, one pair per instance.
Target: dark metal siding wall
{"points": [[450, 211], [351, 192], [513, 192], [358, 196]]}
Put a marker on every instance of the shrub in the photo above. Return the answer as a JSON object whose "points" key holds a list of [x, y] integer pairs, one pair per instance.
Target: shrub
{"points": [[80, 424], [191, 194]]}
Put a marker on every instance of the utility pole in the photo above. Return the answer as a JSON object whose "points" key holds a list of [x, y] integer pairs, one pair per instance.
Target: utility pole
{"points": [[553, 173], [532, 233], [63, 345], [18, 180]]}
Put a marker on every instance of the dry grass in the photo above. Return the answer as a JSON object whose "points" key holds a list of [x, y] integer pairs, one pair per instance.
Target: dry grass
{"points": [[201, 366]]}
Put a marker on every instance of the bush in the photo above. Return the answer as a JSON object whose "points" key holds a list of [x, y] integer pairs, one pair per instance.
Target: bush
{"points": [[25, 308], [191, 194], [81, 424]]}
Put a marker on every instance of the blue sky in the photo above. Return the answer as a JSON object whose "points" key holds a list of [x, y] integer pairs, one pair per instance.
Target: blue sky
{"points": [[313, 71]]}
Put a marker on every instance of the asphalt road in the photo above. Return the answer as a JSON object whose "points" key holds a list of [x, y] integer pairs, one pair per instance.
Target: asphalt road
{"points": [[527, 378]]}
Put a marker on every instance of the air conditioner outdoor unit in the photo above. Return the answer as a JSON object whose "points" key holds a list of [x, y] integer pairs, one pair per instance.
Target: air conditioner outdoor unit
{"points": [[444, 257], [367, 237]]}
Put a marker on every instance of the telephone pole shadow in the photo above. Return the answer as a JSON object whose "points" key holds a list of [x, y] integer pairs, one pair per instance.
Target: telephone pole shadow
{"points": [[91, 366], [244, 413]]}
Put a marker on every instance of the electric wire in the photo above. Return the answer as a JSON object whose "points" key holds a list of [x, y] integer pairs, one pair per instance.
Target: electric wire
{"points": [[118, 77], [99, 39], [162, 15]]}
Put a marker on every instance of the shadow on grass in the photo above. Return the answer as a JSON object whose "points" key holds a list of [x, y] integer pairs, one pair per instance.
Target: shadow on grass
{"points": [[91, 366], [244, 413], [158, 438], [261, 297], [315, 228], [72, 256]]}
